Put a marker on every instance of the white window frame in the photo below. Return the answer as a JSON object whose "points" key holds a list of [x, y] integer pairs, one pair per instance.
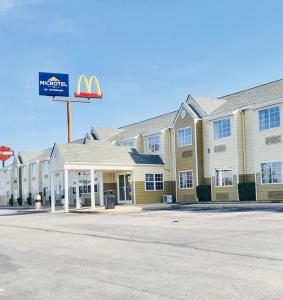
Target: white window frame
{"points": [[191, 137], [186, 188], [222, 137], [45, 167], [221, 185], [154, 182], [34, 170], [149, 150], [269, 118], [270, 162]]}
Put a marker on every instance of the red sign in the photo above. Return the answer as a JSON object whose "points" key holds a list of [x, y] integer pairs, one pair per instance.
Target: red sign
{"points": [[5, 153]]}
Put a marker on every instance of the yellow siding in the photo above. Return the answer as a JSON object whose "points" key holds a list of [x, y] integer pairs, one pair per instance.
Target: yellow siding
{"points": [[249, 141], [206, 161], [146, 197], [187, 163]]}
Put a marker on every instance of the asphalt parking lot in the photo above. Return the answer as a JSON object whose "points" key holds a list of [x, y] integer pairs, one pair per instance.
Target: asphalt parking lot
{"points": [[176, 254]]}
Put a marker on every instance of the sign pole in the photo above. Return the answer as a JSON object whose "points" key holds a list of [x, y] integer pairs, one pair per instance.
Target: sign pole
{"points": [[69, 118]]}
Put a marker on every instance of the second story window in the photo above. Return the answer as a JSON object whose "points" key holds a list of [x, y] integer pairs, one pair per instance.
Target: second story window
{"points": [[222, 128], [45, 167], [153, 143], [269, 118], [33, 169], [184, 136]]}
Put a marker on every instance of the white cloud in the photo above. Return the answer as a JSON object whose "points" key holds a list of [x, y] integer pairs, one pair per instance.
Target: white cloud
{"points": [[7, 5]]}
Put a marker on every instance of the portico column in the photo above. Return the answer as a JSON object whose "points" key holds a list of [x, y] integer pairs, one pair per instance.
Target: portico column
{"points": [[66, 188], [52, 192], [101, 191], [92, 193], [78, 201]]}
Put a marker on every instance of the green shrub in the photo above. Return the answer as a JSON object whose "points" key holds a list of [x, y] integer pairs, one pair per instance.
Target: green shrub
{"points": [[204, 192], [246, 191]]}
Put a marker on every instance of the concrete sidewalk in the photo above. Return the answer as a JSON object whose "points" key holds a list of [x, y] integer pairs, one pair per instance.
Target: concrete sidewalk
{"points": [[208, 206]]}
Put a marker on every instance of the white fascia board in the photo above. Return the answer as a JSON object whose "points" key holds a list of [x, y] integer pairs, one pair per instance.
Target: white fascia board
{"points": [[271, 103], [87, 166], [220, 116], [192, 99], [251, 106]]}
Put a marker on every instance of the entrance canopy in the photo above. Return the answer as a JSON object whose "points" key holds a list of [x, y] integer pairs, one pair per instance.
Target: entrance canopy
{"points": [[94, 156]]}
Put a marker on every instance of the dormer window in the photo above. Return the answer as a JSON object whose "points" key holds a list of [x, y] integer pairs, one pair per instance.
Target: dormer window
{"points": [[129, 143], [153, 143]]}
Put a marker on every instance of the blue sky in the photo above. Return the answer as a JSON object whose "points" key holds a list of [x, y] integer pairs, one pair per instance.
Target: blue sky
{"points": [[148, 56]]}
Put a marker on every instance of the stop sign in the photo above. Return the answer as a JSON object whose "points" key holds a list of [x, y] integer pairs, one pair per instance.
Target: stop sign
{"points": [[5, 153]]}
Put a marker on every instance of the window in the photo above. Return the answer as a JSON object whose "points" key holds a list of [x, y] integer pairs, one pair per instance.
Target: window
{"points": [[128, 144], [33, 169], [45, 167], [222, 128], [153, 143], [269, 118], [186, 180], [271, 172], [24, 171], [184, 136], [224, 178], [154, 182]]}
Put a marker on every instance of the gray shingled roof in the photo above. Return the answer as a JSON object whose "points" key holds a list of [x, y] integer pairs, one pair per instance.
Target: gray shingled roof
{"points": [[100, 152], [146, 127], [257, 95], [29, 157], [208, 105], [105, 134]]}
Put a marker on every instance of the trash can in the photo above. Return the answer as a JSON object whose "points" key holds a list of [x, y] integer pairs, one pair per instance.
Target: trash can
{"points": [[109, 199], [37, 202]]}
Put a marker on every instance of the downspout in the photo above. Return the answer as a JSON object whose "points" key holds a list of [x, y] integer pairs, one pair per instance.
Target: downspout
{"points": [[196, 154], [210, 159], [244, 143], [254, 156], [236, 148]]}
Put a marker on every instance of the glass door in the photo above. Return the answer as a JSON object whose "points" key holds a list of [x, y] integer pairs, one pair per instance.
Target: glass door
{"points": [[125, 188]]}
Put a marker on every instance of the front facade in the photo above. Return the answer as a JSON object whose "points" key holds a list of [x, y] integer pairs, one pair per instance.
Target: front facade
{"points": [[225, 149]]}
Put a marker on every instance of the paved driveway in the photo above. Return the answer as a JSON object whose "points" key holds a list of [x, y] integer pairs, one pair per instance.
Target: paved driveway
{"points": [[149, 255]]}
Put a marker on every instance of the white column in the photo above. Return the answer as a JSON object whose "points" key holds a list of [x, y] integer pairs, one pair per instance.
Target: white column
{"points": [[66, 188], [78, 200], [52, 192], [92, 194], [101, 190]]}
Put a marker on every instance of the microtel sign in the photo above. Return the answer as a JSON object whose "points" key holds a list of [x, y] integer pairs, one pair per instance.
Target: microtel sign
{"points": [[53, 84]]}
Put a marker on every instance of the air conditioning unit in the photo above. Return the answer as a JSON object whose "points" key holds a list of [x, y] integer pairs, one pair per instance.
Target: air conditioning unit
{"points": [[167, 199]]}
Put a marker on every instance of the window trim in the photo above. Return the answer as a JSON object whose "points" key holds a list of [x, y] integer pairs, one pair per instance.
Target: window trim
{"points": [[147, 143], [267, 162], [187, 188], [224, 186], [225, 137], [154, 182], [268, 108], [122, 143], [178, 141]]}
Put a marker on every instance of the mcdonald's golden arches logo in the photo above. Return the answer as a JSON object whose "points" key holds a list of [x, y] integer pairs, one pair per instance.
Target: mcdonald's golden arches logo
{"points": [[88, 86]]}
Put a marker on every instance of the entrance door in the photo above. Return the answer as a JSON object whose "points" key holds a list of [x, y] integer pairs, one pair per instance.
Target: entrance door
{"points": [[125, 188]]}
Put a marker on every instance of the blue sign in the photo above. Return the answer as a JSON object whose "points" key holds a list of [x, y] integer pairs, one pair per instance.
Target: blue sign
{"points": [[53, 84]]}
